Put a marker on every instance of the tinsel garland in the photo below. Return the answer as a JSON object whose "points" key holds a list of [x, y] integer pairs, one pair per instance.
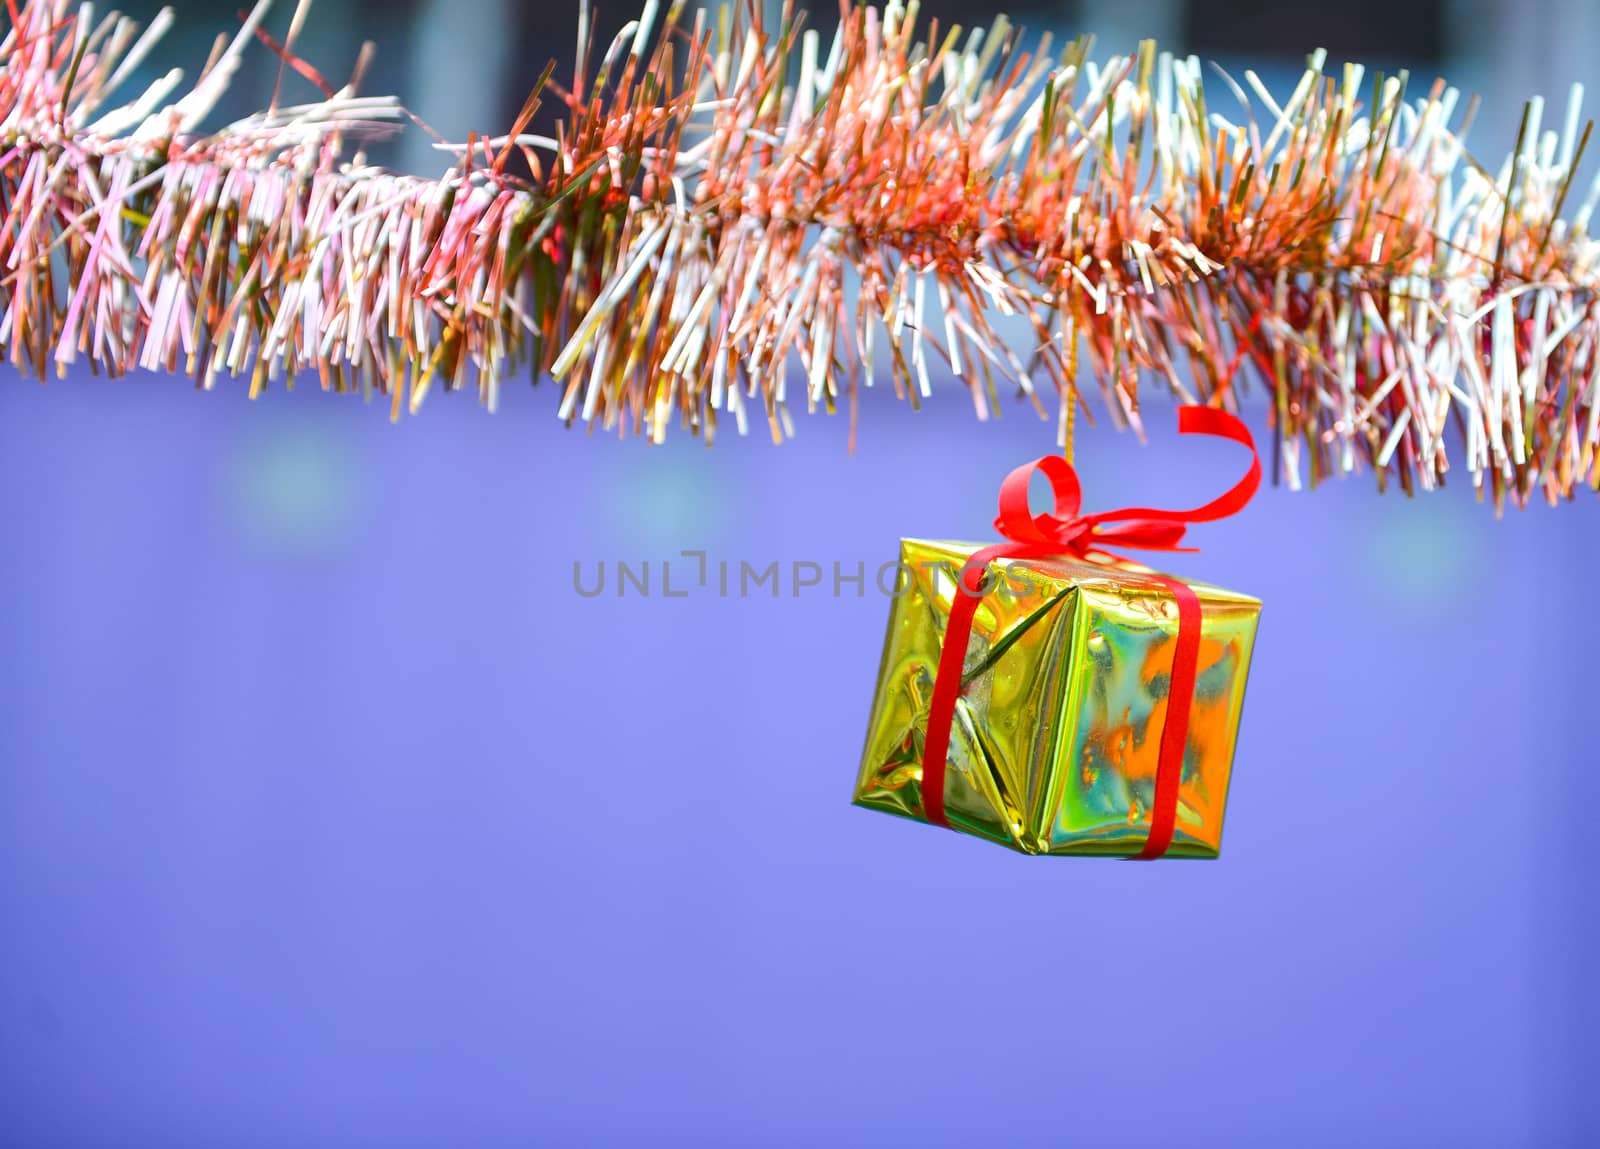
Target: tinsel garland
{"points": [[719, 200]]}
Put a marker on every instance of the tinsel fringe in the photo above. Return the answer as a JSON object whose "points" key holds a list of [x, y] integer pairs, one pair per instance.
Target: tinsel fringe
{"points": [[913, 197]]}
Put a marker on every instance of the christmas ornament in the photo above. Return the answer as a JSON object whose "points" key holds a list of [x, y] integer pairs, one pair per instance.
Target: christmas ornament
{"points": [[1045, 694]]}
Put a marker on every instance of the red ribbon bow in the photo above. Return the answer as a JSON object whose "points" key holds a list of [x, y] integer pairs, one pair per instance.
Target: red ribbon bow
{"points": [[1065, 531]]}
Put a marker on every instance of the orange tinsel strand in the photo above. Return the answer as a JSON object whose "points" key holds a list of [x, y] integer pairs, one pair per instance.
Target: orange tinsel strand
{"points": [[697, 223]]}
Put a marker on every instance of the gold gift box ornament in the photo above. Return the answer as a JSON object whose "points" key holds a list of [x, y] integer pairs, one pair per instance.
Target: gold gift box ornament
{"points": [[1049, 695]]}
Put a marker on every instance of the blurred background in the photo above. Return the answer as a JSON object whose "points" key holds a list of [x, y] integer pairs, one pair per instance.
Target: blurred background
{"points": [[330, 814]]}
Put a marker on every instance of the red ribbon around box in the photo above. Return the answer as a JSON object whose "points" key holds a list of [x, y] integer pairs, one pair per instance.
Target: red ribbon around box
{"points": [[1066, 532]]}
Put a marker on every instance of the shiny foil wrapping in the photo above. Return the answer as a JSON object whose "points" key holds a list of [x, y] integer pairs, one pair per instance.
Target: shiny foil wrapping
{"points": [[1057, 731]]}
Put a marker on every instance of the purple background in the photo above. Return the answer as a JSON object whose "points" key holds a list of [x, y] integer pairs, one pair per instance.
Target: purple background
{"points": [[333, 816]]}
